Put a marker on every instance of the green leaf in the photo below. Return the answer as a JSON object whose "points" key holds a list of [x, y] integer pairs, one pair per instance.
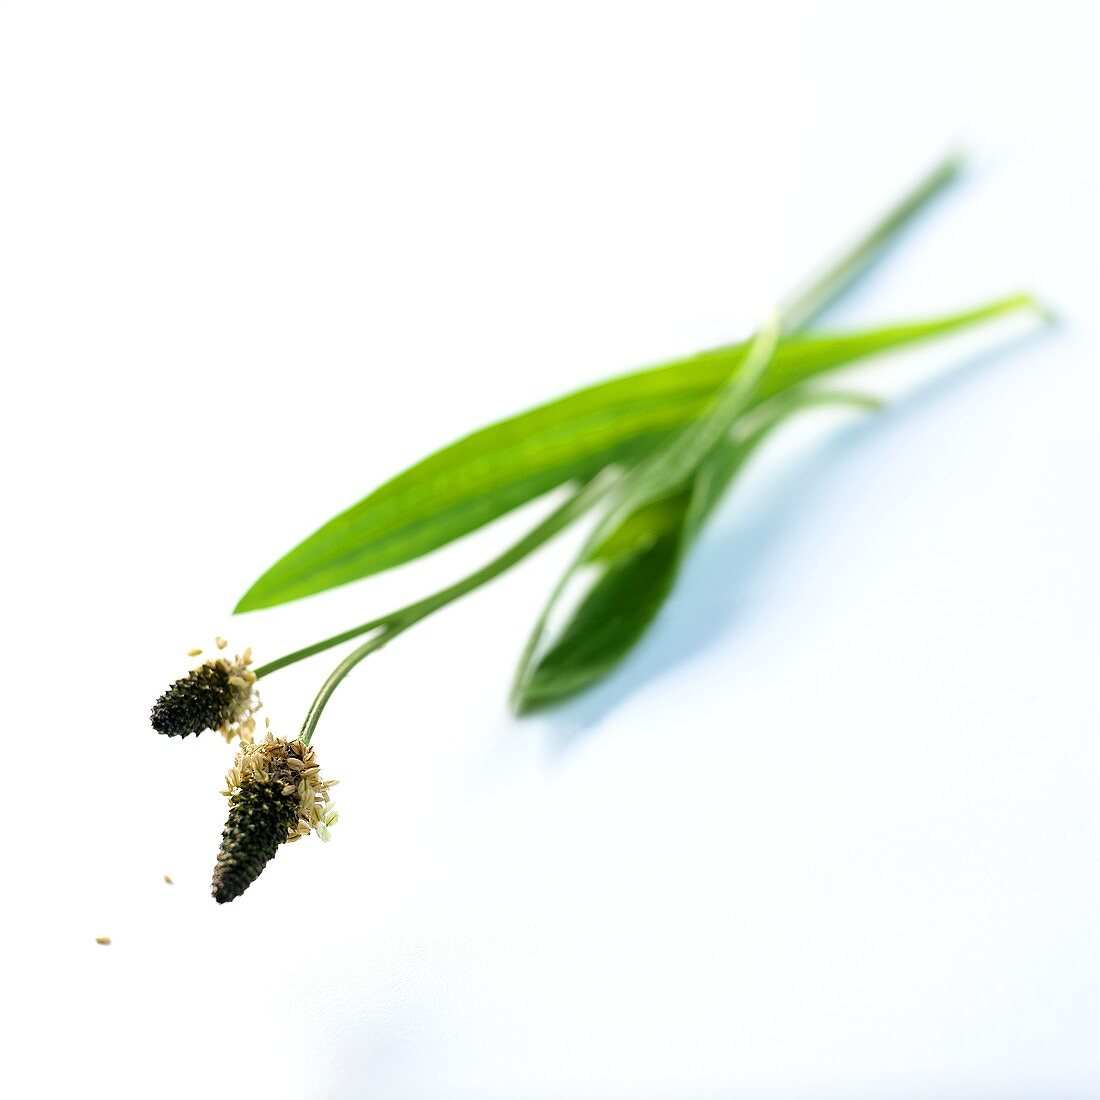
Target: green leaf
{"points": [[610, 596], [494, 470]]}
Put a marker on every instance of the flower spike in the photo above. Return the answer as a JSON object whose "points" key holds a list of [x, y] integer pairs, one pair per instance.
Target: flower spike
{"points": [[276, 796], [218, 695]]}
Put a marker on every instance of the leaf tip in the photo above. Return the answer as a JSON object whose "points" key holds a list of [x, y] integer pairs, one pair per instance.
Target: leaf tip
{"points": [[1045, 312], [1025, 300], [252, 600], [525, 698], [518, 703]]}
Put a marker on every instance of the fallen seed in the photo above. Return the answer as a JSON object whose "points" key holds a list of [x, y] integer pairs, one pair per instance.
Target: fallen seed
{"points": [[103, 940]]}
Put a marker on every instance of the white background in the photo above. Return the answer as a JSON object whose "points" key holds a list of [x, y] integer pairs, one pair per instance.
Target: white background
{"points": [[834, 829]]}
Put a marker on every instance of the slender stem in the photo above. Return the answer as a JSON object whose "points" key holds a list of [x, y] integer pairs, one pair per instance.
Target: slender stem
{"points": [[575, 506], [389, 626], [797, 310], [317, 647], [809, 300], [313, 716]]}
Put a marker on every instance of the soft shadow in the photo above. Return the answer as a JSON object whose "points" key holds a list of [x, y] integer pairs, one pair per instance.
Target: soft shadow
{"points": [[733, 556]]}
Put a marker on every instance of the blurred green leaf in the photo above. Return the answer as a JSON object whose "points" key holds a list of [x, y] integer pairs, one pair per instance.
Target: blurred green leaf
{"points": [[609, 597]]}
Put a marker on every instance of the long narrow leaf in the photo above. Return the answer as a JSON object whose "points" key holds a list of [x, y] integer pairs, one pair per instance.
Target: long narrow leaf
{"points": [[494, 470], [609, 597]]}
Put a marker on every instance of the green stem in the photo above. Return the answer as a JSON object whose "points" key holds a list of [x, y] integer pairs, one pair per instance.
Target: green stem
{"points": [[809, 300], [338, 673], [390, 626], [319, 647], [798, 310], [404, 617]]}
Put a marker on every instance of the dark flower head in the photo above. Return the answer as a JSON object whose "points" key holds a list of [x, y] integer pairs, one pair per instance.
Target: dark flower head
{"points": [[276, 796], [218, 695]]}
